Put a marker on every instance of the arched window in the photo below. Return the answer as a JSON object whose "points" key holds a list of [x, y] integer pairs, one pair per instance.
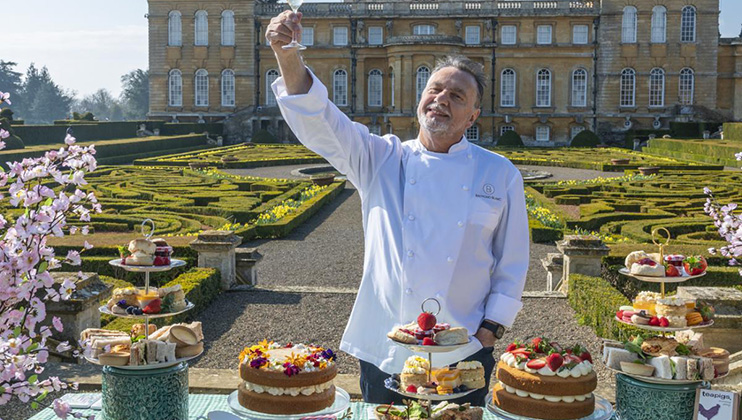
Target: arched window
{"points": [[687, 86], [340, 87], [628, 25], [375, 87], [423, 30], [508, 88], [423, 74], [228, 28], [579, 88], [175, 88], [270, 77], [228, 96], [659, 25], [688, 24], [202, 88], [628, 88], [174, 29], [657, 87], [472, 133], [543, 88], [202, 28]]}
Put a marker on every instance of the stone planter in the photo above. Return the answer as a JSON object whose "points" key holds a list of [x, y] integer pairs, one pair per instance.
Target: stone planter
{"points": [[198, 165], [322, 179], [649, 170], [620, 161]]}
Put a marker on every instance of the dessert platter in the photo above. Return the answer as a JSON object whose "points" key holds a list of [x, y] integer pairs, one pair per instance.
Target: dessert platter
{"points": [[650, 311], [545, 380], [419, 379], [442, 410], [288, 382]]}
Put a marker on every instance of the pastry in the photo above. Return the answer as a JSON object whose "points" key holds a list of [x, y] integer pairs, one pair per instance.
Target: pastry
{"points": [[142, 252], [659, 346], [640, 318], [415, 372], [128, 295], [634, 257], [720, 358], [138, 330], [452, 336], [449, 378], [173, 298], [648, 267], [398, 334], [182, 336], [472, 374], [635, 368], [646, 301], [188, 351]]}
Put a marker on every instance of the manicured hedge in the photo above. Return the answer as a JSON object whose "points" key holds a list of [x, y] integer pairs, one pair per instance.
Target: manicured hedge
{"points": [[95, 131], [596, 302], [707, 151], [690, 130], [543, 234], [241, 156], [733, 131]]}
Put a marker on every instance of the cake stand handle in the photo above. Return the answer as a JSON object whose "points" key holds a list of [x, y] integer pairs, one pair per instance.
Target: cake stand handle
{"points": [[146, 282], [146, 326], [430, 367]]}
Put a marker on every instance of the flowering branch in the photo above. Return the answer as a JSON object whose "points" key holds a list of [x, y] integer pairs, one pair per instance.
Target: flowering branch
{"points": [[729, 224]]}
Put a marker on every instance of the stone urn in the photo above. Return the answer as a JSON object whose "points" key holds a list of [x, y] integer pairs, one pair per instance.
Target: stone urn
{"points": [[649, 170], [620, 161], [198, 165], [322, 179]]}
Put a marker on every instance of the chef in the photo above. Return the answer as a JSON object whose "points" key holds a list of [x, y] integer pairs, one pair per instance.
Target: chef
{"points": [[442, 218]]}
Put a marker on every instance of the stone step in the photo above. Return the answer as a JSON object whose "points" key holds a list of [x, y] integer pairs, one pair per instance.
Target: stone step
{"points": [[726, 300]]}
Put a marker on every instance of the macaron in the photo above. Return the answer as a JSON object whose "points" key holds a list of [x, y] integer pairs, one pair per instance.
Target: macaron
{"points": [[626, 308], [638, 319], [627, 316]]}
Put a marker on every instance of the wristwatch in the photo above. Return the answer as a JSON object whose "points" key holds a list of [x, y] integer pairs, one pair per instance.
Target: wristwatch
{"points": [[497, 329]]}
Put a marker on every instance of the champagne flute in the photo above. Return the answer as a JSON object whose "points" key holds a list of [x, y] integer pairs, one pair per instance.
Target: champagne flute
{"points": [[295, 5]]}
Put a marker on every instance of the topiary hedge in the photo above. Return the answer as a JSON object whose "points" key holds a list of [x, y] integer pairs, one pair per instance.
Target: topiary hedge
{"points": [[585, 138], [733, 131], [510, 139], [264, 136], [106, 130], [595, 302]]}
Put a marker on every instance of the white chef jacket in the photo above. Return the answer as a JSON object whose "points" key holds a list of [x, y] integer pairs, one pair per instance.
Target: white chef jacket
{"points": [[452, 226]]}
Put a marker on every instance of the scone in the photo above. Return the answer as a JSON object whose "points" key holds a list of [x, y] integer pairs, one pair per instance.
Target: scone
{"points": [[635, 257], [656, 270], [453, 336], [400, 336]]}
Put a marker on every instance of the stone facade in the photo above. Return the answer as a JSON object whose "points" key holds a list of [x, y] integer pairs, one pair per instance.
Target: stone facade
{"points": [[398, 39]]}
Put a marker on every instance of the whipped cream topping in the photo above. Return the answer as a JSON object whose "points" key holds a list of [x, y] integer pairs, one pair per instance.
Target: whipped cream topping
{"points": [[550, 398], [672, 301], [416, 365], [294, 391], [472, 365], [581, 369]]}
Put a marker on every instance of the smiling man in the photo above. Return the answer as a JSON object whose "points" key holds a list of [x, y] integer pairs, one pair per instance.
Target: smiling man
{"points": [[442, 218]]}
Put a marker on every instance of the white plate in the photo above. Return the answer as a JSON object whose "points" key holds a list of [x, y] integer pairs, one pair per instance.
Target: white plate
{"points": [[340, 406], [625, 271], [419, 348], [104, 310], [655, 380], [148, 268], [666, 329], [603, 410], [145, 367], [432, 397]]}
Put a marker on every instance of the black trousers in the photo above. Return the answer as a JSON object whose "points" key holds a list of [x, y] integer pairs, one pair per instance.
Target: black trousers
{"points": [[373, 390]]}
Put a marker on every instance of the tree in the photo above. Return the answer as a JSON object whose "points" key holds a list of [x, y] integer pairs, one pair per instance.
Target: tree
{"points": [[10, 80], [135, 94], [49, 102], [101, 104]]}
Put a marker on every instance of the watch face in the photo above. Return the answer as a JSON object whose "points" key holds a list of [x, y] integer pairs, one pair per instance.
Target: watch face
{"points": [[500, 331]]}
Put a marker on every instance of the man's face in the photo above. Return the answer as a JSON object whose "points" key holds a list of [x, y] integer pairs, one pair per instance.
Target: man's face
{"points": [[448, 102]]}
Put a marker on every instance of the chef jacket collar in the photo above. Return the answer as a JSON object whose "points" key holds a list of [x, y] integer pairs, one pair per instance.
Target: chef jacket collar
{"points": [[459, 148]]}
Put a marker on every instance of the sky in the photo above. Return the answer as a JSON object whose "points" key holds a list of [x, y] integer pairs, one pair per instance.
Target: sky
{"points": [[90, 44]]}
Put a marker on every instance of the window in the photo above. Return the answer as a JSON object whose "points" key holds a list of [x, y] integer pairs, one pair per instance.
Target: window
{"points": [[202, 28], [174, 29], [628, 25], [375, 35], [423, 30], [542, 133], [544, 35], [472, 133], [423, 74], [340, 87], [340, 35], [543, 88], [580, 34], [228, 28], [375, 129], [473, 35], [579, 88], [270, 77], [375, 87], [228, 97], [509, 35], [659, 25], [505, 128], [507, 88], [657, 87], [688, 24], [576, 129], [202, 88], [307, 36], [628, 87], [687, 85], [175, 84]]}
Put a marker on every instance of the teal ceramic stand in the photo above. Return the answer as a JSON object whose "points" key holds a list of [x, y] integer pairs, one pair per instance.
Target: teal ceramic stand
{"points": [[637, 400], [154, 394]]}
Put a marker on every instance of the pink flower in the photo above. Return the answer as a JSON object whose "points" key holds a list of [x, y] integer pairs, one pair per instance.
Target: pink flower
{"points": [[61, 408], [69, 140], [4, 97], [73, 258], [4, 134], [57, 323], [63, 347], [87, 245]]}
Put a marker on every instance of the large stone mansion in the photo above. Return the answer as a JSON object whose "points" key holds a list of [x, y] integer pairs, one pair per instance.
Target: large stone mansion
{"points": [[556, 67]]}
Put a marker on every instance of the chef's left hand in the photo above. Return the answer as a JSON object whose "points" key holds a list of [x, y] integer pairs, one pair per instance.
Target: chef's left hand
{"points": [[486, 337]]}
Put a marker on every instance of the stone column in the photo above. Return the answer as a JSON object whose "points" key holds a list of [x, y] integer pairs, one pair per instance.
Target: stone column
{"points": [[80, 311], [554, 265], [582, 255], [216, 249], [727, 329], [245, 261]]}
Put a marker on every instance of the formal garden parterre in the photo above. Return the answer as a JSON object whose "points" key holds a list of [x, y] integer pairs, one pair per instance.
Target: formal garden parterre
{"points": [[239, 156]]}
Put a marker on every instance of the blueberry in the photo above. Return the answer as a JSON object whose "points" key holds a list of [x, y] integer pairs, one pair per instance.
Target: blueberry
{"points": [[138, 311], [395, 384], [463, 388], [395, 376], [122, 304], [130, 310], [457, 390]]}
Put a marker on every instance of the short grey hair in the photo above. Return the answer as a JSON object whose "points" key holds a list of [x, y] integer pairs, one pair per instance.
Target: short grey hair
{"points": [[465, 64]]}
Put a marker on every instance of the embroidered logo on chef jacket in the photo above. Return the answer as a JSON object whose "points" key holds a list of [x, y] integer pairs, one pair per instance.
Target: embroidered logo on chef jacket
{"points": [[488, 190]]}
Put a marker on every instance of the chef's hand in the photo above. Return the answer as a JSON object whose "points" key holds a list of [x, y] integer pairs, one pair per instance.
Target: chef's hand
{"points": [[486, 337], [281, 30]]}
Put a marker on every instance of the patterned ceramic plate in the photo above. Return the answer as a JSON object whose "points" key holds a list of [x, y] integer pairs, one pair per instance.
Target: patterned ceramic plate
{"points": [[338, 408]]}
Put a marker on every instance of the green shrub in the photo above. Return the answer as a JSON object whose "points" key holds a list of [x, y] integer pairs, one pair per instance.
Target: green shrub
{"points": [[14, 143], [7, 113], [177, 129], [510, 139], [264, 136], [687, 130], [595, 302], [585, 138], [543, 234], [733, 131], [88, 116]]}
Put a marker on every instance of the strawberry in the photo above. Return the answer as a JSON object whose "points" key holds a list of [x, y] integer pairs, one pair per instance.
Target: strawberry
{"points": [[654, 321], [536, 364], [153, 307], [412, 389], [555, 361], [695, 265], [619, 314], [511, 347], [426, 321], [571, 358], [539, 344], [586, 356], [522, 353], [556, 346], [664, 322], [427, 341], [672, 271]]}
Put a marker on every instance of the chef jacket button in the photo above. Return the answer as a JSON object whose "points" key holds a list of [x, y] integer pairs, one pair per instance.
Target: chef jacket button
{"points": [[439, 296], [449, 259], [469, 156], [408, 291], [465, 187], [460, 223], [417, 153], [411, 217], [412, 181], [410, 253]]}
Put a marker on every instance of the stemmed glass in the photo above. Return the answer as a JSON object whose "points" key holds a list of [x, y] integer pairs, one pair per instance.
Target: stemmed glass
{"points": [[295, 5]]}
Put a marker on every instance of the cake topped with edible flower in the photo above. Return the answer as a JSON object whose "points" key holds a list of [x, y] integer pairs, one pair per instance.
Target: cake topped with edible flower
{"points": [[291, 359]]}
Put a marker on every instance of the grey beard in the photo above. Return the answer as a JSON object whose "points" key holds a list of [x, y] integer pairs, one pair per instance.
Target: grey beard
{"points": [[430, 125]]}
